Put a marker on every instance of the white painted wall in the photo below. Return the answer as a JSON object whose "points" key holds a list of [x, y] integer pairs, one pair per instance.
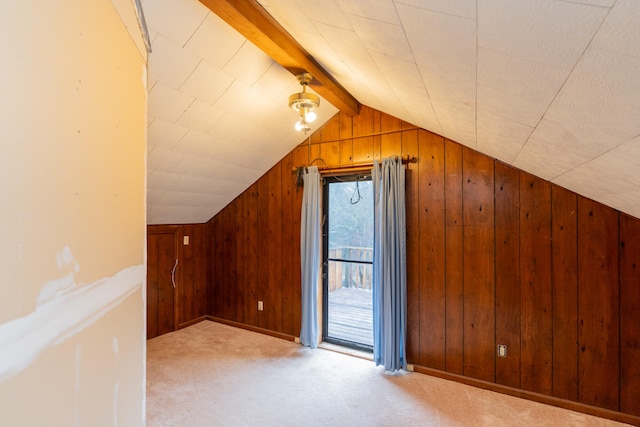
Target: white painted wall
{"points": [[72, 197]]}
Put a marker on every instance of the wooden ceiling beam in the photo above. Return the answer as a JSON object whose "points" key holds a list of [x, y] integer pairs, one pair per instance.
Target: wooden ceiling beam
{"points": [[250, 19]]}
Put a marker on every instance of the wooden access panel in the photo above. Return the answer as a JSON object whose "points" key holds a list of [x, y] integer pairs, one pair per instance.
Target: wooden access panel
{"points": [[191, 272], [161, 298]]}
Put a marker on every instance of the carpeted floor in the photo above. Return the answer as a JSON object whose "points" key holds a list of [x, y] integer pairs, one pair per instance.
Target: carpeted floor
{"points": [[211, 374]]}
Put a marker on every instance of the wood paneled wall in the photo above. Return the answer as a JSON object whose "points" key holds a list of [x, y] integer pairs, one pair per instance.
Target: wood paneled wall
{"points": [[191, 271], [495, 256], [252, 247]]}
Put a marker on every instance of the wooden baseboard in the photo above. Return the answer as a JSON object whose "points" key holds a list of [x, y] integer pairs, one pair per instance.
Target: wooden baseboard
{"points": [[536, 397], [252, 328], [192, 322]]}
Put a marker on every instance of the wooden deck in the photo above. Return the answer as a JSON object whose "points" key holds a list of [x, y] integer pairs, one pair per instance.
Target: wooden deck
{"points": [[350, 315]]}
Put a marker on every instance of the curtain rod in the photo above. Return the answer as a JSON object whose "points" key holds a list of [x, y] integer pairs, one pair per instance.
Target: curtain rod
{"points": [[354, 167]]}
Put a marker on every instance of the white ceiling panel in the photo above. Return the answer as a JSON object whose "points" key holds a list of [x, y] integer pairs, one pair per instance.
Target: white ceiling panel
{"points": [[548, 32], [214, 41], [548, 86], [237, 97], [383, 37], [551, 140], [167, 103], [207, 83], [377, 10], [275, 84], [170, 63], [522, 78], [450, 83], [509, 106], [417, 105], [227, 129], [345, 41], [176, 20], [162, 133], [626, 202], [200, 116], [290, 12], [248, 64], [600, 100], [500, 137], [197, 166], [430, 36], [166, 180], [457, 125], [176, 214], [196, 143], [612, 178], [176, 183], [603, 3], [326, 11], [620, 29], [460, 8], [162, 159]]}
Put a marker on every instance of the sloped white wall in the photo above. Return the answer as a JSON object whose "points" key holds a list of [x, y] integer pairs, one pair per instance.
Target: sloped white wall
{"points": [[72, 191]]}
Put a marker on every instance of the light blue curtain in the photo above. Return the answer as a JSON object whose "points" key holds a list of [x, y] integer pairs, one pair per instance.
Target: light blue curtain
{"points": [[389, 265], [310, 249]]}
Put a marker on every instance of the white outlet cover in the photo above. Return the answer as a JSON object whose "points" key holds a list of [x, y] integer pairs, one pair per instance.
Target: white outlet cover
{"points": [[502, 351]]}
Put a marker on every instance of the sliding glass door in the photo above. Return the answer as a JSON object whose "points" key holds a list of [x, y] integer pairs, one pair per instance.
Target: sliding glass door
{"points": [[348, 256]]}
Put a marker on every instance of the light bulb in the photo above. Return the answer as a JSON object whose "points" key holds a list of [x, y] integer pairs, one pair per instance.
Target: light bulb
{"points": [[301, 125], [310, 116]]}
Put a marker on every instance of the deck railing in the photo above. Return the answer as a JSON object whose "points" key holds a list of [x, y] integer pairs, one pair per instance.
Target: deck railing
{"points": [[345, 274]]}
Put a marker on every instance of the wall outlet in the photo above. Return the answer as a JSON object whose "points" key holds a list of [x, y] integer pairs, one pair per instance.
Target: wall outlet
{"points": [[502, 350], [260, 306]]}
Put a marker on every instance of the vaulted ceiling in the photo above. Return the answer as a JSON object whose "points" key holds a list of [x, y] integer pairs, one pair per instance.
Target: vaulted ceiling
{"points": [[551, 87]]}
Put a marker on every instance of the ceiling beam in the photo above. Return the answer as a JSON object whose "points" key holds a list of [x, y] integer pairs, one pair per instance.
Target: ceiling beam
{"points": [[250, 19]]}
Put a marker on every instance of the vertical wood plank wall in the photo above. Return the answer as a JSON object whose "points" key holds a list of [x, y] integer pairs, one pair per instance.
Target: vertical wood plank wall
{"points": [[495, 256]]}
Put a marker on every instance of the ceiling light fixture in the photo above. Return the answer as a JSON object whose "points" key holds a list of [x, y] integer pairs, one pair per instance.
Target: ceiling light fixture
{"points": [[304, 103]]}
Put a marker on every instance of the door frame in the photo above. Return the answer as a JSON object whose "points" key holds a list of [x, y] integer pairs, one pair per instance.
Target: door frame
{"points": [[327, 180]]}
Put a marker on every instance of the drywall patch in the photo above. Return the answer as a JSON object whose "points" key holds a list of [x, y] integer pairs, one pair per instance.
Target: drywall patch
{"points": [[114, 347], [64, 309], [66, 262]]}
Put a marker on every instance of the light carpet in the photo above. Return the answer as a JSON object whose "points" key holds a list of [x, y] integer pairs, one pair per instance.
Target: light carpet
{"points": [[211, 374]]}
